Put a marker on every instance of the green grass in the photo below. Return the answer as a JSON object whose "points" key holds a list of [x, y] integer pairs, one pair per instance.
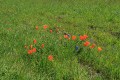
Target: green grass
{"points": [[100, 20]]}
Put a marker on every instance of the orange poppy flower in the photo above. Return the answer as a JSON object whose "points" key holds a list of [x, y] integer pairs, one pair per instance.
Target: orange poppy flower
{"points": [[99, 49], [45, 26], [42, 46], [92, 46], [66, 36], [73, 37], [34, 41], [30, 51], [83, 37], [51, 31], [36, 27], [50, 58], [34, 50], [87, 43]]}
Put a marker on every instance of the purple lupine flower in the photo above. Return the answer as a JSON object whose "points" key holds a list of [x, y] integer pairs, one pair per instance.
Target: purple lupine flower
{"points": [[68, 35], [76, 48]]}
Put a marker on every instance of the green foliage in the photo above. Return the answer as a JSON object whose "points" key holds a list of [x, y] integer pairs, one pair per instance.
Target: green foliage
{"points": [[99, 19]]}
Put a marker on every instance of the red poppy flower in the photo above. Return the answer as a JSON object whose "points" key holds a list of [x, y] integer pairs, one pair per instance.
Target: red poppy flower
{"points": [[99, 49], [30, 51], [50, 58], [45, 26], [42, 46], [36, 27], [66, 36], [87, 43], [73, 37], [83, 37], [92, 46], [34, 50], [51, 31], [34, 41]]}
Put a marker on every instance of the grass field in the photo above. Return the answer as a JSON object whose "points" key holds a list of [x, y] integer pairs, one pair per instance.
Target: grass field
{"points": [[100, 20]]}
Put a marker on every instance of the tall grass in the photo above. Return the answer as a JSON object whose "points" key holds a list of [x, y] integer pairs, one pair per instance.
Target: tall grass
{"points": [[99, 19]]}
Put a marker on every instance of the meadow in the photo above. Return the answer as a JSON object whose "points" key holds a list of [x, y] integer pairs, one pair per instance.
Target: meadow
{"points": [[59, 40]]}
